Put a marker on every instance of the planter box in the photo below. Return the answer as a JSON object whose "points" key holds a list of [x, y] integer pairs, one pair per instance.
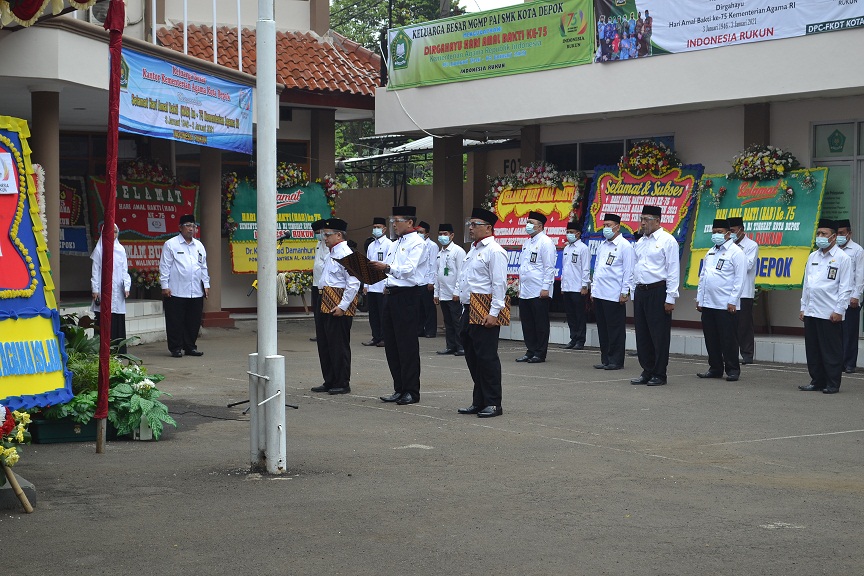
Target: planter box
{"points": [[56, 431]]}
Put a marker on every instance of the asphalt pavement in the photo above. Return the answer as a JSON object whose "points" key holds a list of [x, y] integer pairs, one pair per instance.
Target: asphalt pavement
{"points": [[584, 474]]}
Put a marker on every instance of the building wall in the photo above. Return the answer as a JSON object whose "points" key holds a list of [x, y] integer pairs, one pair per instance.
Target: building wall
{"points": [[289, 14]]}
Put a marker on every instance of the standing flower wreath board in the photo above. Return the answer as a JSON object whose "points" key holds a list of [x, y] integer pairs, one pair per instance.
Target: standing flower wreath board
{"points": [[542, 173]]}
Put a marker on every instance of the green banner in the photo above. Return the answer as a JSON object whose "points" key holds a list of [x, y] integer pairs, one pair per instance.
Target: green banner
{"points": [[779, 215], [522, 38]]}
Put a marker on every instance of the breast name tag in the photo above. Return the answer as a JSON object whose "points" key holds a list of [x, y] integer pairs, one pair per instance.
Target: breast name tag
{"points": [[832, 273], [533, 257], [380, 256], [573, 258], [720, 264], [610, 259]]}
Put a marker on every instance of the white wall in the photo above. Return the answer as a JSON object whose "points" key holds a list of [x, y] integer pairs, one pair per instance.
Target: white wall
{"points": [[290, 14]]}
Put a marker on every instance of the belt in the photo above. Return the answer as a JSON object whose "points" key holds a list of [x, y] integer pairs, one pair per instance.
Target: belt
{"points": [[651, 286], [399, 289]]}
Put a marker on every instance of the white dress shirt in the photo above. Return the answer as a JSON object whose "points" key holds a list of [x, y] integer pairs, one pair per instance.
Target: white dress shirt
{"points": [[121, 282], [183, 268], [856, 254], [404, 261], [657, 260], [321, 253], [377, 252], [575, 267], [751, 252], [537, 266], [613, 269], [827, 284], [484, 271], [449, 264], [722, 278], [335, 275], [429, 262]]}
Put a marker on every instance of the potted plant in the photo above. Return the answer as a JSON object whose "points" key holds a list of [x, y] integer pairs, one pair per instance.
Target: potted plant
{"points": [[134, 406]]}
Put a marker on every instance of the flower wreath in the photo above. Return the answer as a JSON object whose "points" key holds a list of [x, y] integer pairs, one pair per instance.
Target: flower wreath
{"points": [[16, 224], [537, 173], [13, 432], [761, 162], [147, 169], [298, 283], [648, 156], [144, 278]]}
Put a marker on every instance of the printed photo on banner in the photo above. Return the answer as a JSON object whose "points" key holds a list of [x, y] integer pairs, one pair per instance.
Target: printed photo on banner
{"points": [[779, 214], [74, 233]]}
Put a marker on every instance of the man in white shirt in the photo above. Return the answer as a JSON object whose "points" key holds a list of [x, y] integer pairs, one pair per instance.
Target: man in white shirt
{"points": [[376, 252], [852, 322], [536, 278], [746, 340], [321, 253], [656, 273], [333, 329], [610, 289], [428, 318], [575, 278], [718, 298], [185, 283], [121, 283], [824, 300], [484, 272], [402, 288], [448, 265]]}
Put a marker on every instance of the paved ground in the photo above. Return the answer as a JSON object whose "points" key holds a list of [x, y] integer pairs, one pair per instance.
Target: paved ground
{"points": [[583, 475]]}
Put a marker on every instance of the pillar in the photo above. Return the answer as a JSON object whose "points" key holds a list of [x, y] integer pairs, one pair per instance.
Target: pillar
{"points": [[447, 189], [210, 200], [323, 145], [319, 16], [757, 124], [532, 148], [45, 146]]}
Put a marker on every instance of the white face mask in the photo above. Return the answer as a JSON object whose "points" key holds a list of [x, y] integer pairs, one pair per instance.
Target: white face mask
{"points": [[571, 238], [377, 232], [444, 240], [529, 228], [841, 240], [608, 233], [718, 238]]}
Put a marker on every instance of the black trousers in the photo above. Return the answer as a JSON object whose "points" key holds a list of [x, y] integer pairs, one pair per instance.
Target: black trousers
{"points": [[452, 312], [653, 331], [118, 329], [316, 303], [746, 341], [574, 307], [823, 342], [333, 335], [427, 315], [611, 320], [720, 329], [481, 355], [851, 327], [182, 322], [376, 311], [400, 324], [534, 315]]}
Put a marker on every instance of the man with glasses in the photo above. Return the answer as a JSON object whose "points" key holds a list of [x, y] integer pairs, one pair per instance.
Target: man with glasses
{"points": [[656, 273], [484, 272], [610, 291], [746, 341], [824, 298], [185, 283], [376, 252], [402, 287], [536, 278]]}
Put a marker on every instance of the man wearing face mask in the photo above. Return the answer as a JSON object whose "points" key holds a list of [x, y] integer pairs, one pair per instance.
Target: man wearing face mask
{"points": [[448, 264], [611, 287], [718, 298], [321, 252], [825, 297], [746, 341], [536, 277], [376, 251], [428, 320], [852, 322], [575, 277], [656, 273]]}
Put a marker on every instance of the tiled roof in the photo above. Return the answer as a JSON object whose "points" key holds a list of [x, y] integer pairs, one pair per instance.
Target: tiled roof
{"points": [[303, 60]]}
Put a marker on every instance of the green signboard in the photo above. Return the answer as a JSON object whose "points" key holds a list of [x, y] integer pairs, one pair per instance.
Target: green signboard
{"points": [[521, 38]]}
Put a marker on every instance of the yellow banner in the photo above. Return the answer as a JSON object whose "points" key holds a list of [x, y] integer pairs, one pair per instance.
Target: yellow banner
{"points": [[296, 256], [777, 267]]}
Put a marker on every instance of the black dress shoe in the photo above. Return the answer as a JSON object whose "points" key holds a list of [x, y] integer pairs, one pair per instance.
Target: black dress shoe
{"points": [[176, 354], [709, 374], [469, 410], [313, 339], [459, 353], [535, 360], [810, 388], [849, 370], [639, 380], [431, 335], [345, 390], [371, 342], [600, 366], [490, 412], [447, 351], [321, 388], [194, 352], [830, 390], [569, 346], [747, 361], [380, 344], [392, 398], [407, 398], [579, 347], [524, 358], [613, 367], [655, 381], [732, 378]]}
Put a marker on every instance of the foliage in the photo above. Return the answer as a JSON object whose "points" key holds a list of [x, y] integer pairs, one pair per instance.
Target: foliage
{"points": [[13, 433], [133, 397], [77, 340], [81, 408], [648, 156], [85, 370], [761, 162]]}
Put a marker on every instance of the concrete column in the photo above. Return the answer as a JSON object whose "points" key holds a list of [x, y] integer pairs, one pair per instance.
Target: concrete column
{"points": [[478, 179], [323, 145], [319, 16], [45, 146], [447, 182], [757, 124], [210, 200], [532, 148]]}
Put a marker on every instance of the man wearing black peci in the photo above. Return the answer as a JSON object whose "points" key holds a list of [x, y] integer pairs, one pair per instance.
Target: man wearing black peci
{"points": [[376, 251], [321, 252]]}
